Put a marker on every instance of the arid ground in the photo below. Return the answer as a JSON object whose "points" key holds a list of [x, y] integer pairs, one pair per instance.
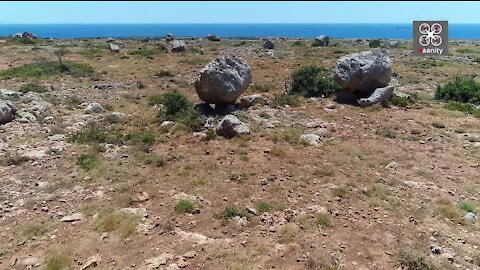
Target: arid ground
{"points": [[387, 188]]}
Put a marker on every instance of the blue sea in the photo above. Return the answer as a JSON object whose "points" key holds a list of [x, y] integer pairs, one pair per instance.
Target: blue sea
{"points": [[390, 31]]}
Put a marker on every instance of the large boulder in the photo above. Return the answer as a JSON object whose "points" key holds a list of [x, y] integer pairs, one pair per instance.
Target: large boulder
{"points": [[7, 112], [169, 37], [230, 126], [113, 47], [322, 40], [270, 45], [178, 45], [364, 72], [223, 80], [213, 38]]}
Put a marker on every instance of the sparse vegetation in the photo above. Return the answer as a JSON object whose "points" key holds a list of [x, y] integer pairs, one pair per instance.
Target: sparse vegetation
{"points": [[461, 89], [313, 81], [230, 212], [323, 220], [121, 222], [262, 206], [283, 99], [375, 43], [414, 261], [57, 259], [164, 73], [288, 233], [46, 68], [32, 87], [177, 108], [184, 206], [88, 162]]}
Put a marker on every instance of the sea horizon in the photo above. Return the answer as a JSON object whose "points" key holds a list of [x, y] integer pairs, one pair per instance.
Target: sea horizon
{"points": [[402, 31]]}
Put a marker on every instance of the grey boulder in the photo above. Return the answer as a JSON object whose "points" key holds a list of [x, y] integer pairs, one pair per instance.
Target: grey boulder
{"points": [[7, 112], [94, 108], [230, 126], [223, 80], [364, 72], [269, 45], [178, 46], [213, 38], [379, 96], [323, 40], [9, 95], [113, 47]]}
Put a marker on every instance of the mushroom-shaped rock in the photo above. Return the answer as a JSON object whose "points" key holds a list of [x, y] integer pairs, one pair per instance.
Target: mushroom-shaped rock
{"points": [[223, 80], [364, 72]]}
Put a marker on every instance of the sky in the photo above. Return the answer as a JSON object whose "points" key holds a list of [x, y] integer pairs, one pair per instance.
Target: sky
{"points": [[40, 12]]}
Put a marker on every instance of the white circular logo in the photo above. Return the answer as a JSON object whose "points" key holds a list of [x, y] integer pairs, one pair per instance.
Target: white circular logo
{"points": [[430, 34]]}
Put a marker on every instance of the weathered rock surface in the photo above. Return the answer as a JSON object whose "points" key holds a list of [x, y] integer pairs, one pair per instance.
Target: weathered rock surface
{"points": [[7, 112], [9, 95], [213, 38], [380, 96], [94, 108], [178, 46], [223, 80], [230, 126], [113, 47], [269, 45], [364, 72], [251, 100], [323, 40]]}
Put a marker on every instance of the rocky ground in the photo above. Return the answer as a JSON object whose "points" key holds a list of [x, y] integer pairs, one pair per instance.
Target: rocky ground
{"points": [[376, 188]]}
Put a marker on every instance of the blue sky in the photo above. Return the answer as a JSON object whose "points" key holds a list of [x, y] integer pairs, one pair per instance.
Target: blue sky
{"points": [[237, 12]]}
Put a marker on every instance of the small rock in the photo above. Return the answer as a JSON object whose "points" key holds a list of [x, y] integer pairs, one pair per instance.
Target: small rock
{"points": [[94, 108], [311, 139], [92, 262], [391, 165], [167, 125], [230, 126], [71, 218], [190, 254], [9, 95], [470, 216], [113, 47], [330, 106], [435, 249], [251, 100]]}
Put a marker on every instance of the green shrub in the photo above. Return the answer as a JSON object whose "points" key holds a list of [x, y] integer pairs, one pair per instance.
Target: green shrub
{"points": [[184, 206], [88, 162], [466, 206], [463, 107], [323, 220], [400, 101], [285, 99], [143, 52], [231, 212], [241, 43], [374, 43], [210, 135], [461, 89], [57, 259], [262, 206], [48, 68], [298, 43], [313, 81], [164, 73], [177, 108], [23, 40], [32, 87]]}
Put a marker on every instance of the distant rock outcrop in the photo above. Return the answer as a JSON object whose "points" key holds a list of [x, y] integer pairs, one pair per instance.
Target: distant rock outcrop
{"points": [[364, 72], [323, 40], [213, 38], [178, 46], [269, 45], [223, 80], [113, 47]]}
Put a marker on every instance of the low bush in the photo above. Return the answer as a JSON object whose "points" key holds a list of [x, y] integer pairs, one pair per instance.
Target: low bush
{"points": [[463, 107], [88, 162], [374, 43], [283, 99], [32, 87], [48, 68], [184, 206], [313, 81], [461, 89], [230, 212], [177, 108]]}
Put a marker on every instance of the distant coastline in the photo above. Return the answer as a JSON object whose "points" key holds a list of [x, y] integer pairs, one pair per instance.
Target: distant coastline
{"points": [[307, 30]]}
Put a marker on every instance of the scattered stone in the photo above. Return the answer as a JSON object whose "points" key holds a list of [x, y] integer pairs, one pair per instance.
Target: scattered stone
{"points": [[167, 125], [111, 40], [169, 37], [364, 72], [223, 80], [9, 95], [251, 100], [113, 47], [94, 108], [230, 126], [393, 44], [435, 249], [379, 96], [92, 262], [49, 120], [190, 254], [323, 40], [155, 262], [31, 262], [311, 139], [270, 45], [197, 238], [470, 216], [25, 117], [173, 266], [71, 218], [7, 112], [36, 105], [143, 197], [392, 165], [178, 46], [240, 221], [106, 86], [142, 212], [330, 106], [213, 38]]}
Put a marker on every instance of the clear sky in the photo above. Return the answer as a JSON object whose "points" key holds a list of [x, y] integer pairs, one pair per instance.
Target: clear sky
{"points": [[236, 12]]}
